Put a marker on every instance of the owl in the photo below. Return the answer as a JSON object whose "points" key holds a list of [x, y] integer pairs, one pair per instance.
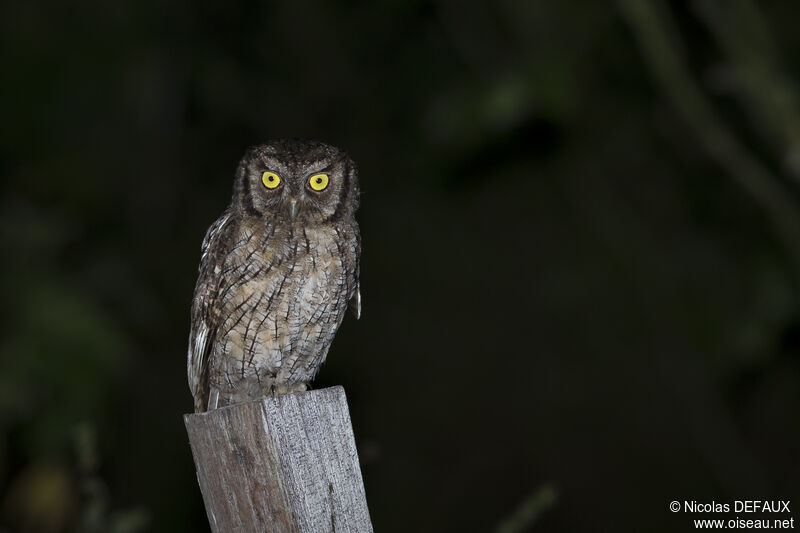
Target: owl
{"points": [[278, 271]]}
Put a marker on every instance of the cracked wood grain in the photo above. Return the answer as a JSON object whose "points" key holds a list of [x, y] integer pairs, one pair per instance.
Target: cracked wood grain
{"points": [[286, 463]]}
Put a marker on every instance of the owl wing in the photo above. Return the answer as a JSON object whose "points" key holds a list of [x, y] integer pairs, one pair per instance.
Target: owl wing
{"points": [[355, 302], [205, 315]]}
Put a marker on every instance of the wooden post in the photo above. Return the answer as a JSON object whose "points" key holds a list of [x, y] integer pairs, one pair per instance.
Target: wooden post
{"points": [[283, 463]]}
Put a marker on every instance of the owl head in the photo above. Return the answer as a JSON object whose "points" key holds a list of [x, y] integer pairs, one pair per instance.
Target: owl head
{"points": [[296, 181]]}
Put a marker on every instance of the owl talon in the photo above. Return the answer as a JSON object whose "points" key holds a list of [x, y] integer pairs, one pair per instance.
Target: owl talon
{"points": [[213, 399]]}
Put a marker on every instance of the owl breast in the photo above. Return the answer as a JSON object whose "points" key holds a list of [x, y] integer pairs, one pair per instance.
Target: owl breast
{"points": [[286, 295]]}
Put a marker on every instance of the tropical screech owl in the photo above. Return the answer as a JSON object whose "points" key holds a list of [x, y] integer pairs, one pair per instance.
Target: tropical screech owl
{"points": [[278, 270]]}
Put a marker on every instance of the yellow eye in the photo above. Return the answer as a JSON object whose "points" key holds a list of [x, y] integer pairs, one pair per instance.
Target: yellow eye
{"points": [[270, 180], [318, 182]]}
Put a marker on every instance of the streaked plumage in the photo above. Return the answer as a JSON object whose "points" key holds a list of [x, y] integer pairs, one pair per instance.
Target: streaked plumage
{"points": [[277, 272]]}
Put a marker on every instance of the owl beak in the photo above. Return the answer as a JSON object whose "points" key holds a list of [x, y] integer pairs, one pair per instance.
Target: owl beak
{"points": [[294, 208]]}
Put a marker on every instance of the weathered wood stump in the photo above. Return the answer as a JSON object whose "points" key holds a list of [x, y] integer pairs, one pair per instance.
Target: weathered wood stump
{"points": [[284, 463]]}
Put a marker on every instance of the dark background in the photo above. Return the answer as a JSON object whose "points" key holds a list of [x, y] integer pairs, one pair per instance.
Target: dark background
{"points": [[581, 250]]}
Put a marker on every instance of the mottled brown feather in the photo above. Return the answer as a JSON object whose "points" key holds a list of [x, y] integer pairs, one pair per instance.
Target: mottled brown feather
{"points": [[271, 290]]}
